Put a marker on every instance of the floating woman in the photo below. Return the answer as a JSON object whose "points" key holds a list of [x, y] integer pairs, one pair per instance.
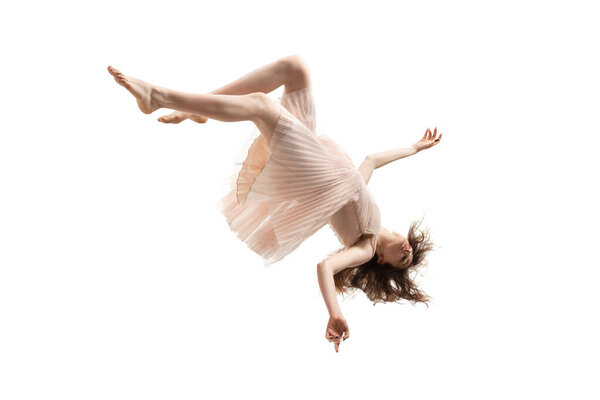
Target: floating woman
{"points": [[293, 182]]}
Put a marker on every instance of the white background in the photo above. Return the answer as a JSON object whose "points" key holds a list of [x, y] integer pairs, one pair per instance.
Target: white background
{"points": [[120, 279]]}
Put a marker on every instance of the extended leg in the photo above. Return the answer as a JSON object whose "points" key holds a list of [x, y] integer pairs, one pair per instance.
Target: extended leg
{"points": [[227, 108], [290, 71], [256, 107]]}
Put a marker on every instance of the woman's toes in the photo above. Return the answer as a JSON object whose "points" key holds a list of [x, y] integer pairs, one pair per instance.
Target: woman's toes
{"points": [[118, 75], [199, 119], [171, 119], [113, 71], [141, 90]]}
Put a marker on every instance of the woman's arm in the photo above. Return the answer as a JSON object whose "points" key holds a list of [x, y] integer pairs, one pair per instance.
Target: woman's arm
{"points": [[355, 255], [337, 327], [376, 160]]}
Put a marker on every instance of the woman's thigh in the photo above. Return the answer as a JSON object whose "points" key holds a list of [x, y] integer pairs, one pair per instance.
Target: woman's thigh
{"points": [[267, 116]]}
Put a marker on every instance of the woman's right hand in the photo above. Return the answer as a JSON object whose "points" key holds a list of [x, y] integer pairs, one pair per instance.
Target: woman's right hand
{"points": [[179, 116], [428, 140], [337, 326]]}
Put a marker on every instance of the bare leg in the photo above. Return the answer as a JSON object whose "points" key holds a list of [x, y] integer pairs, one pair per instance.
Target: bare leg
{"points": [[255, 107], [290, 71]]}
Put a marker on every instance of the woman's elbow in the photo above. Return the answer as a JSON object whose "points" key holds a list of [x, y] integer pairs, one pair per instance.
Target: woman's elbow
{"points": [[324, 269]]}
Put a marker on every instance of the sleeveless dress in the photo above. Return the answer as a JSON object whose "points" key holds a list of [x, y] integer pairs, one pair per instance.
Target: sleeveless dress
{"points": [[288, 189]]}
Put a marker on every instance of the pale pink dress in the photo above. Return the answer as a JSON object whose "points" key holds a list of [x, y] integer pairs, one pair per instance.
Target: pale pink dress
{"points": [[287, 190]]}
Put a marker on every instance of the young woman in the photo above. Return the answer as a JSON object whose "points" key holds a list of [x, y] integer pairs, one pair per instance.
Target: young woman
{"points": [[293, 182]]}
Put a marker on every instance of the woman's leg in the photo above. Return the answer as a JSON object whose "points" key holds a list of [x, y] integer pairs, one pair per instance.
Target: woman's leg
{"points": [[290, 71], [256, 107]]}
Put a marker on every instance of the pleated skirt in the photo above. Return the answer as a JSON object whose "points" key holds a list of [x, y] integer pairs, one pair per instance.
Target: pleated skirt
{"points": [[289, 188]]}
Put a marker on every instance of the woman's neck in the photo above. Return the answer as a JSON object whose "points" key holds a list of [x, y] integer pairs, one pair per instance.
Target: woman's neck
{"points": [[384, 237]]}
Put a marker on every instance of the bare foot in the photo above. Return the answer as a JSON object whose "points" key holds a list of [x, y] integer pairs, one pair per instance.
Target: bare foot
{"points": [[178, 116], [143, 92], [198, 118]]}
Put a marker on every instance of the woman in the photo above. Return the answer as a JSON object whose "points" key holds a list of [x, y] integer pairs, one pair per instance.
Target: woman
{"points": [[293, 182]]}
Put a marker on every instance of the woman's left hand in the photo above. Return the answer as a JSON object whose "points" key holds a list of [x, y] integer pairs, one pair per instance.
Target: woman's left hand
{"points": [[428, 140], [335, 327]]}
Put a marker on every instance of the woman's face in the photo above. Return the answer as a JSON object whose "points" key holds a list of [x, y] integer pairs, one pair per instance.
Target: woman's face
{"points": [[398, 253]]}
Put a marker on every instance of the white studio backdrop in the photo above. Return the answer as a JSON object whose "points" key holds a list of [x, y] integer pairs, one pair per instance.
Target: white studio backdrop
{"points": [[120, 279]]}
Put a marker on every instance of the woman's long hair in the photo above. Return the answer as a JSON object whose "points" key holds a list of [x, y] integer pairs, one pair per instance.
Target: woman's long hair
{"points": [[385, 283]]}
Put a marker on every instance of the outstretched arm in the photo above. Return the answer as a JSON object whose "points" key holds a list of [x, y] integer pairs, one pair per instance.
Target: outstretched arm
{"points": [[376, 160], [353, 256]]}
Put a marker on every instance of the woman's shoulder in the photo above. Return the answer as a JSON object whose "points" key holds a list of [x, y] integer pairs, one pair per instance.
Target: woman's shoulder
{"points": [[371, 238], [368, 211]]}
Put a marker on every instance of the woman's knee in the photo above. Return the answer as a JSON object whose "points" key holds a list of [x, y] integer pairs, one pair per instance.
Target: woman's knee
{"points": [[297, 72]]}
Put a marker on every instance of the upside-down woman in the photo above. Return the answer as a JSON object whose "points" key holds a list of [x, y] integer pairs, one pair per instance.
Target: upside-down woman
{"points": [[293, 182]]}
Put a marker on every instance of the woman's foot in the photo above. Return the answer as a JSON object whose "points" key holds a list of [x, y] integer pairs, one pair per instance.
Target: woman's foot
{"points": [[144, 92], [178, 116]]}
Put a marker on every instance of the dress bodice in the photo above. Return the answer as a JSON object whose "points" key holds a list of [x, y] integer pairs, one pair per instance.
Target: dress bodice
{"points": [[360, 216]]}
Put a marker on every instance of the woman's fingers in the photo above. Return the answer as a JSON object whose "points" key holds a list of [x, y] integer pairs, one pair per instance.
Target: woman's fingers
{"points": [[331, 335], [337, 346], [431, 138]]}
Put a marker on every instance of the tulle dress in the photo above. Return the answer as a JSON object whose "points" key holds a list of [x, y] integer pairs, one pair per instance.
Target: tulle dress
{"points": [[288, 189]]}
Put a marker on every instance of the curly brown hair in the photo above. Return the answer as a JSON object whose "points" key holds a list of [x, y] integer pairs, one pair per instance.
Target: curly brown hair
{"points": [[385, 283]]}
